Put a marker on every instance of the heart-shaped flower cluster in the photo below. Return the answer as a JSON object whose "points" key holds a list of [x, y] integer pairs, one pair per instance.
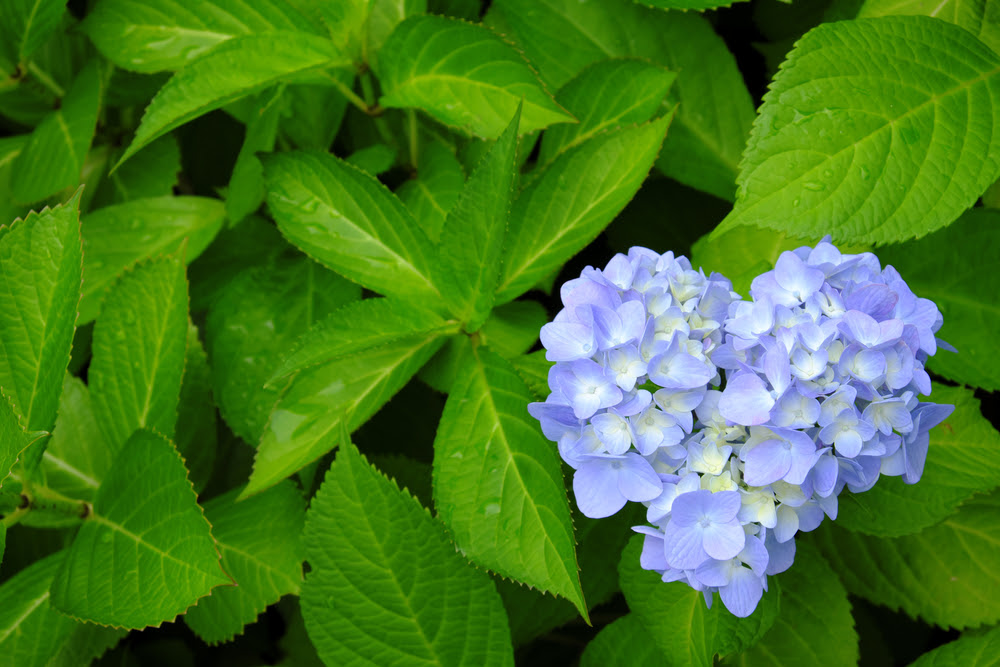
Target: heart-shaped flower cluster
{"points": [[737, 423]]}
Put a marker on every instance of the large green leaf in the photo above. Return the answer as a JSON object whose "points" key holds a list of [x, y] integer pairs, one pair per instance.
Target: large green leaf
{"points": [[145, 552], [152, 173], [254, 322], [39, 293], [562, 37], [961, 461], [676, 616], [815, 627], [13, 438], [357, 327], [954, 268], [323, 399], [386, 585], [837, 149], [138, 351], [54, 157], [475, 230], [33, 634], [231, 70], [155, 35], [116, 237], [25, 25], [606, 95], [246, 186], [346, 219], [623, 643], [976, 16], [741, 254], [945, 575], [77, 457], [498, 485], [260, 543], [463, 75], [435, 190], [572, 200], [195, 436], [981, 650]]}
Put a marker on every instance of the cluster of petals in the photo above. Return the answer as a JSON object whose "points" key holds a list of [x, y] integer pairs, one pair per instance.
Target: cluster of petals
{"points": [[737, 423]]}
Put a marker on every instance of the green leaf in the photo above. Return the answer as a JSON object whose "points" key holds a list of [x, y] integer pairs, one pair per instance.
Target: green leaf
{"points": [[623, 643], [10, 148], [386, 585], [970, 651], [534, 370], [383, 17], [33, 634], [676, 616], [562, 37], [815, 627], [77, 457], [376, 159], [116, 237], [323, 399], [195, 436], [606, 95], [430, 196], [3, 540], [475, 230], [260, 544], [944, 575], [697, 5], [572, 200], [838, 150], [138, 351], [54, 158], [498, 485], [145, 553], [961, 461], [233, 69], [976, 16], [13, 438], [156, 35], [316, 112], [254, 322], [513, 327], [152, 173], [25, 25], [954, 268], [246, 186], [347, 220], [464, 76], [39, 293], [357, 327]]}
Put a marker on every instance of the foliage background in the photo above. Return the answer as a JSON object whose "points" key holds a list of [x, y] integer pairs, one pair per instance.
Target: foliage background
{"points": [[227, 328]]}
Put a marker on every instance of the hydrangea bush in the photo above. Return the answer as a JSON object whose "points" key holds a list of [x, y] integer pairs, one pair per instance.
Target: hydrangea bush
{"points": [[303, 359], [737, 423]]}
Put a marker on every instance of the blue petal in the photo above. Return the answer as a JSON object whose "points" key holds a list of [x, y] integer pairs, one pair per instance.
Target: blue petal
{"points": [[746, 400], [724, 540], [743, 593], [595, 485], [767, 462]]}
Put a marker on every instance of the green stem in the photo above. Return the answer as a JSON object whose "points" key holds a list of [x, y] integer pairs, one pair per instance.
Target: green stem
{"points": [[414, 132], [43, 78], [14, 517], [41, 497], [351, 96], [368, 90]]}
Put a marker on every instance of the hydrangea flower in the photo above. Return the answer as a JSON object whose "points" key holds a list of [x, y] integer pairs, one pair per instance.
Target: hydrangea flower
{"points": [[737, 423]]}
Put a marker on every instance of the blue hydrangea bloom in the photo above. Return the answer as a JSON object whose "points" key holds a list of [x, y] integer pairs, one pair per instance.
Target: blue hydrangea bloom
{"points": [[737, 423]]}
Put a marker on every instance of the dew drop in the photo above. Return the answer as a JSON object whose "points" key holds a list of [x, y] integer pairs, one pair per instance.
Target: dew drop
{"points": [[492, 509], [814, 186], [864, 173]]}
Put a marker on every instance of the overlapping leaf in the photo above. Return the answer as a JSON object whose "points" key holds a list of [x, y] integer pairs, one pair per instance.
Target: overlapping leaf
{"points": [[33, 634], [260, 541], [155, 35], [195, 435], [237, 67], [386, 585], [562, 37], [498, 485], [39, 293], [152, 173], [839, 149], [435, 190], [13, 438], [572, 200], [976, 16], [953, 268], [475, 230], [138, 351], [982, 650], [463, 75], [25, 25], [254, 322], [346, 219], [944, 575], [77, 457], [246, 186], [116, 237], [623, 643], [145, 553]]}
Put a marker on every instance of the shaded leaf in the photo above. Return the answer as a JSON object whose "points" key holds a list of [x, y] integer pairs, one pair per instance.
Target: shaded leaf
{"points": [[430, 196], [145, 553], [13, 438], [464, 76], [195, 436], [153, 173], [386, 586], [77, 457], [498, 484], [971, 651], [623, 643], [25, 25], [260, 544], [976, 16], [246, 186]]}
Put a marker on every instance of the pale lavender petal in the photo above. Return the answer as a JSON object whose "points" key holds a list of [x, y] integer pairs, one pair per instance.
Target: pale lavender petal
{"points": [[746, 400], [684, 548], [780, 555], [715, 572], [566, 341], [595, 485], [768, 462], [876, 300], [743, 593], [755, 555], [637, 480], [724, 540], [722, 507]]}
